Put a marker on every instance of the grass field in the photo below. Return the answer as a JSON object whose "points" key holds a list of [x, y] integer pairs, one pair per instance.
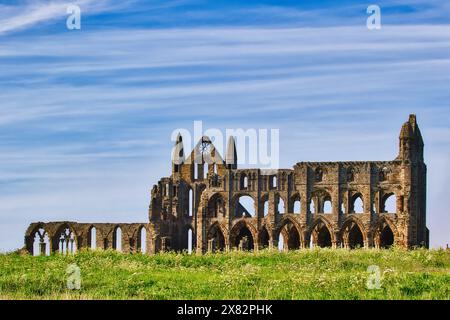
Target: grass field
{"points": [[306, 274]]}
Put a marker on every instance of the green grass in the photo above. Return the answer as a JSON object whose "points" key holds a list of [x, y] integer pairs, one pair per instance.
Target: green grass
{"points": [[305, 274]]}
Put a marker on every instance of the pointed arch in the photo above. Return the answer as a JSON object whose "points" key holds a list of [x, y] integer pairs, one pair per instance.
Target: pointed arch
{"points": [[118, 238], [187, 238], [243, 234], [264, 238], [321, 234], [216, 206], [92, 237], [357, 203], [281, 208], [296, 203], [191, 202], [385, 233], [389, 203], [65, 240], [291, 234], [141, 243], [243, 205], [386, 237], [216, 238], [352, 233], [190, 240], [243, 183], [41, 242]]}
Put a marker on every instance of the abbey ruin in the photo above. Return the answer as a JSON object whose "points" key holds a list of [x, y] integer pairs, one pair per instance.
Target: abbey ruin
{"points": [[200, 206]]}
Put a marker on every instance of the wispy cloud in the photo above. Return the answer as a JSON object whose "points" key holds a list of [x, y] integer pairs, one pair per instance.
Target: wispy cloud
{"points": [[27, 14]]}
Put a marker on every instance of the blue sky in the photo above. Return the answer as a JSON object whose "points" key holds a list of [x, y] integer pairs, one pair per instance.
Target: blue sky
{"points": [[86, 115]]}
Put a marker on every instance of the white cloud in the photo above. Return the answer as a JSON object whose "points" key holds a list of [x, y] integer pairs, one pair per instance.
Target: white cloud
{"points": [[30, 13]]}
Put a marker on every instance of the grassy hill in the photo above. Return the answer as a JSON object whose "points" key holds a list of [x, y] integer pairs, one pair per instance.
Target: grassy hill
{"points": [[305, 274]]}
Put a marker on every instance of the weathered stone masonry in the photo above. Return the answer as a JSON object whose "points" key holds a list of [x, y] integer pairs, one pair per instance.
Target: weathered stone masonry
{"points": [[204, 192]]}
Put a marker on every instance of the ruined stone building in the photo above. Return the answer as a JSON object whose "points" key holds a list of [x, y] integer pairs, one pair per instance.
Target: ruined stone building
{"points": [[199, 206]]}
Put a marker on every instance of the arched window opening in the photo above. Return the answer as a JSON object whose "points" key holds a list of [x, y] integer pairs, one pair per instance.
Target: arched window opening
{"points": [[327, 208], [323, 237], [280, 208], [215, 168], [342, 208], [143, 240], [245, 207], [294, 238], [243, 182], [117, 239], [216, 240], [195, 170], [244, 239], [297, 206], [190, 241], [312, 207], [355, 238], [266, 208], [216, 207], [67, 242], [273, 182], [36, 244], [389, 204], [93, 238], [191, 202], [280, 242], [386, 237], [41, 243], [290, 236], [358, 206]]}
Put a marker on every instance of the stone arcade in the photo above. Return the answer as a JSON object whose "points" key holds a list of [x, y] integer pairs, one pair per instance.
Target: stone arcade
{"points": [[199, 206]]}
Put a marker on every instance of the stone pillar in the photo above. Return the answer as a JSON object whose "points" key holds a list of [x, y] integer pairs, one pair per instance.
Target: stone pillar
{"points": [[210, 245], [270, 245], [50, 244], [303, 244], [29, 241], [42, 247], [125, 242], [98, 240], [163, 244], [334, 244], [366, 244], [70, 246]]}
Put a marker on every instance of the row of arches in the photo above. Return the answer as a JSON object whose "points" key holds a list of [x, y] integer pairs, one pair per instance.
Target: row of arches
{"points": [[245, 206], [44, 240], [271, 183], [288, 237]]}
